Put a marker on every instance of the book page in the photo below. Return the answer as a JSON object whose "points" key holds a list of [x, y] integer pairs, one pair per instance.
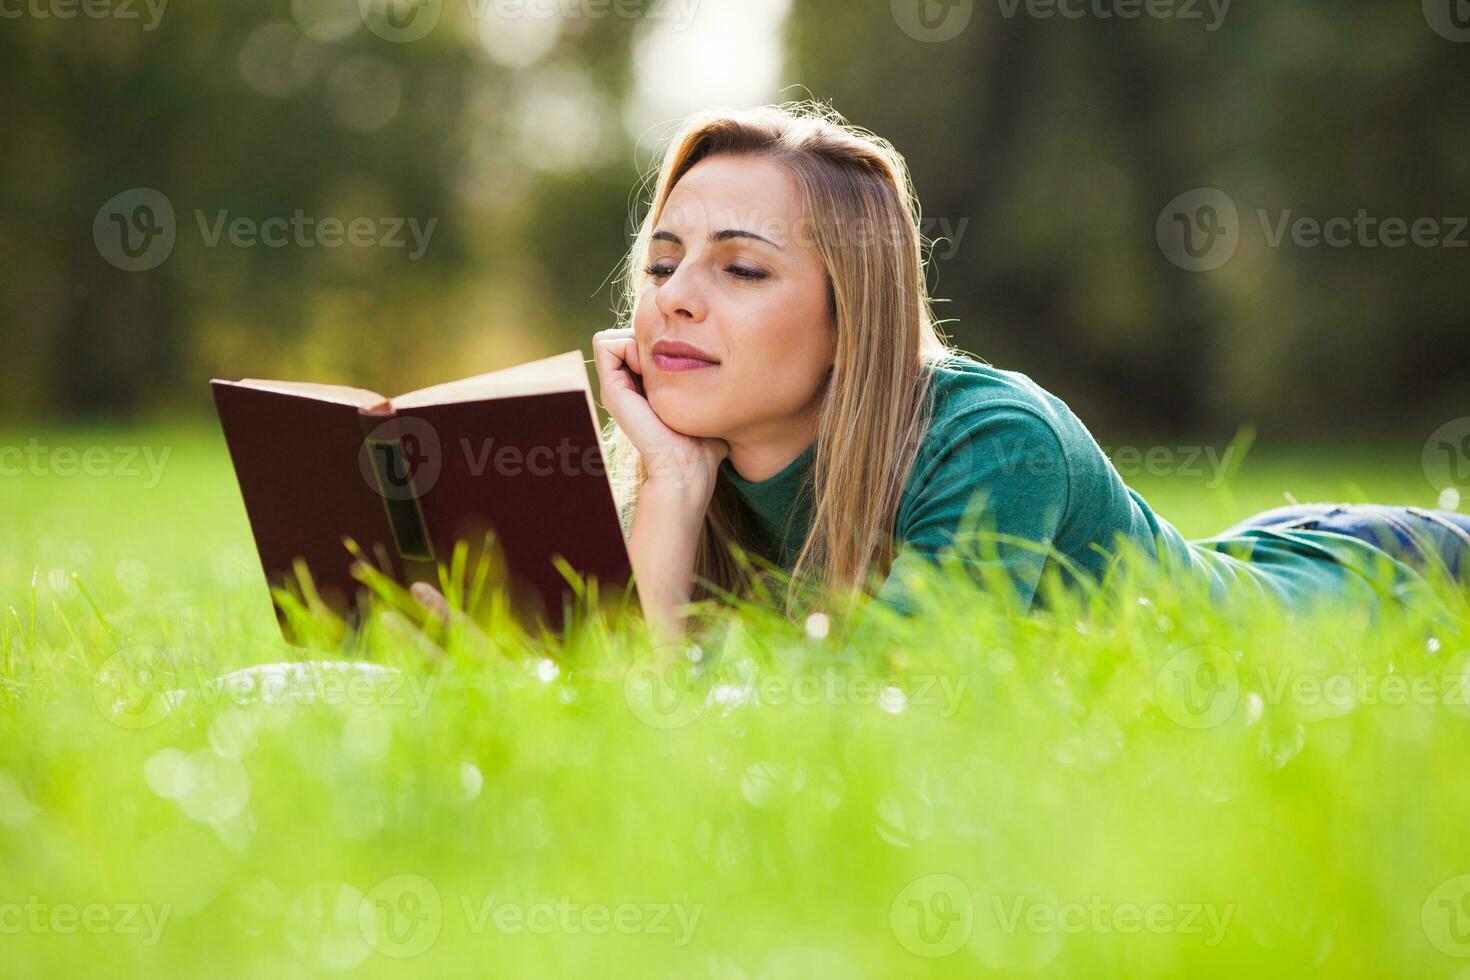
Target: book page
{"points": [[338, 394], [561, 372]]}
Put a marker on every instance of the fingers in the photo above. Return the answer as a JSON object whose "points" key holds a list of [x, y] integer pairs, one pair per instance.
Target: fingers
{"points": [[621, 344], [631, 353], [618, 367], [442, 613], [431, 599], [607, 352]]}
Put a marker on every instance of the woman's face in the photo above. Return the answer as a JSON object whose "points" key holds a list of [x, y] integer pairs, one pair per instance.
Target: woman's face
{"points": [[734, 275]]}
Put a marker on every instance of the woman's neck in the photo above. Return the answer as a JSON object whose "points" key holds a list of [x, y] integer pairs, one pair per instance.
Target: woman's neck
{"points": [[760, 458]]}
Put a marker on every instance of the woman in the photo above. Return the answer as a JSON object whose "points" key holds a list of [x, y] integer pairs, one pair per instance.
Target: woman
{"points": [[782, 387]]}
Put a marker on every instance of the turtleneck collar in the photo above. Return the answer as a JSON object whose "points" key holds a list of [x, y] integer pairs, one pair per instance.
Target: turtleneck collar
{"points": [[771, 500]]}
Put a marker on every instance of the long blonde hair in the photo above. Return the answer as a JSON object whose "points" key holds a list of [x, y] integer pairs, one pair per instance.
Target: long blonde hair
{"points": [[863, 217]]}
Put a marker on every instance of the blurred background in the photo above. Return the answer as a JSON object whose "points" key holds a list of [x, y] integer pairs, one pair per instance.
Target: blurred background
{"points": [[1122, 194]]}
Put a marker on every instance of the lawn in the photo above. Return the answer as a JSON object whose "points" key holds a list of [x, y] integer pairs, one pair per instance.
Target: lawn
{"points": [[1147, 784]]}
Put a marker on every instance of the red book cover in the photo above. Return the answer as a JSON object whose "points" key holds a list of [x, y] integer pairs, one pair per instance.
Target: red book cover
{"points": [[514, 454]]}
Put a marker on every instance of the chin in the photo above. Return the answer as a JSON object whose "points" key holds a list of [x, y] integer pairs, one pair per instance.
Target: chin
{"points": [[686, 415]]}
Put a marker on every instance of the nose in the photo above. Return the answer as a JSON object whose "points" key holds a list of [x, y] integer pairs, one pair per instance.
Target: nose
{"points": [[682, 295]]}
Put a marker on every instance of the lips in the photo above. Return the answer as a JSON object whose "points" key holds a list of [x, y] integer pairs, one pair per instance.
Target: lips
{"points": [[666, 362], [676, 355]]}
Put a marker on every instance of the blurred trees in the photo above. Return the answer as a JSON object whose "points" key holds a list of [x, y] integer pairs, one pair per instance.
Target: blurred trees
{"points": [[276, 112], [1045, 149], [1062, 140]]}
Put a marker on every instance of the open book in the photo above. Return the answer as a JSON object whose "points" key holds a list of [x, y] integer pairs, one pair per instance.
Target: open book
{"points": [[513, 456]]}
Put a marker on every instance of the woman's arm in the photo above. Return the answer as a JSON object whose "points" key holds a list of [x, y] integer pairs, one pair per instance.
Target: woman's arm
{"points": [[672, 503], [662, 546], [996, 491]]}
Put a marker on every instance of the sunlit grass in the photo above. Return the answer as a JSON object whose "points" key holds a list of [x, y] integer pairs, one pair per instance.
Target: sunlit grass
{"points": [[1143, 782]]}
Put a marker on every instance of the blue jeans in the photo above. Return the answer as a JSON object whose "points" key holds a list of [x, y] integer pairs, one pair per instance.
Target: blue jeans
{"points": [[1418, 537]]}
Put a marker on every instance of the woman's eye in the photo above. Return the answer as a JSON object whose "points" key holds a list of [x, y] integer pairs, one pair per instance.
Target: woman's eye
{"points": [[662, 270]]}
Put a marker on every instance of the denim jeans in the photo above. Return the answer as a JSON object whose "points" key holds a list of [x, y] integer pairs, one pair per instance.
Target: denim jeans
{"points": [[1418, 537]]}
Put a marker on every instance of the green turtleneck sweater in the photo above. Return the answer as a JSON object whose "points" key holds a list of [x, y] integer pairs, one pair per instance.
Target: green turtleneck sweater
{"points": [[1029, 468]]}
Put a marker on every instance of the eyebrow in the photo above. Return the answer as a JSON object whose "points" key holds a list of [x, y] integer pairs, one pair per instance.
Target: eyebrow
{"points": [[715, 236]]}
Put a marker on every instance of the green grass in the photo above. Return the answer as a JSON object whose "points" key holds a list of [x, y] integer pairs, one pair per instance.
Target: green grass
{"points": [[1160, 786]]}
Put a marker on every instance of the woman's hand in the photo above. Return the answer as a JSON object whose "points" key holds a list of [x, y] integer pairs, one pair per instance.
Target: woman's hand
{"points": [[688, 464], [672, 503], [432, 600]]}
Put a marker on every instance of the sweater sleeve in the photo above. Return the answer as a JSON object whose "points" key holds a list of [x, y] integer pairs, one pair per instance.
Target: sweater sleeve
{"points": [[995, 479]]}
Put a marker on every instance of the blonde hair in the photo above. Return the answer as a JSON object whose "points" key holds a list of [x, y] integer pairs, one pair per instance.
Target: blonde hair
{"points": [[863, 217]]}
